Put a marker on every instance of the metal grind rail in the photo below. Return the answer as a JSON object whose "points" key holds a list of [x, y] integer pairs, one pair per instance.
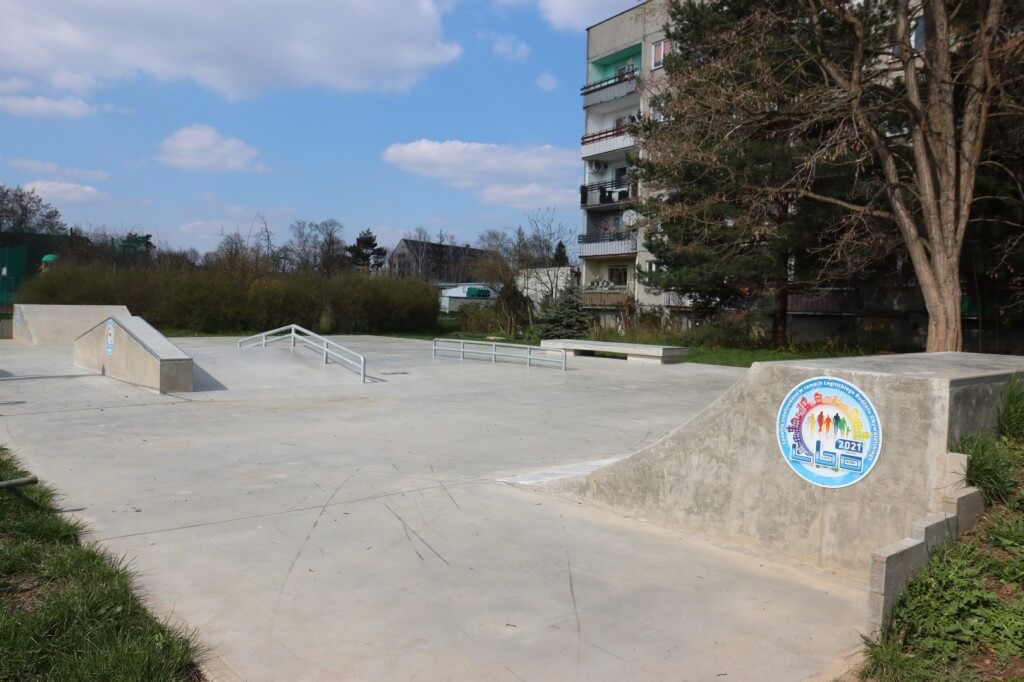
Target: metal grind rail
{"points": [[532, 354], [327, 348]]}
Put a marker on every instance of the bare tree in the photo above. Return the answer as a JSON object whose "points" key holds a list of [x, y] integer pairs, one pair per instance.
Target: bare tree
{"points": [[878, 110]]}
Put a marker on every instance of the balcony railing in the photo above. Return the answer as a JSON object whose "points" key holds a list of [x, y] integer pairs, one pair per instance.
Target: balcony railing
{"points": [[609, 296], [608, 193], [605, 134], [620, 77], [612, 244]]}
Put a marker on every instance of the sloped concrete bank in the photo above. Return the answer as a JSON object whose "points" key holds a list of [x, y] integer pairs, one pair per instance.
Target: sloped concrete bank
{"points": [[131, 350], [730, 473]]}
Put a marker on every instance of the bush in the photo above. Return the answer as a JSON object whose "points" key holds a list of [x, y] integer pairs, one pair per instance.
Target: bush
{"points": [[479, 319], [220, 300], [563, 317], [990, 467], [1011, 420]]}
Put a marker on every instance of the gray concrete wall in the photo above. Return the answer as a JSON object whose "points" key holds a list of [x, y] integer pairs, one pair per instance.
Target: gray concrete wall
{"points": [[46, 325], [722, 474], [7, 329], [140, 356]]}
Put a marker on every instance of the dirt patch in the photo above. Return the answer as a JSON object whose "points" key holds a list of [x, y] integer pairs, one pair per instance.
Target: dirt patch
{"points": [[1008, 593], [21, 592], [991, 668]]}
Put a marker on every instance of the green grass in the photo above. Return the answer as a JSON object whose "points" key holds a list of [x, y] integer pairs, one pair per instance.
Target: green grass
{"points": [[67, 610], [962, 616], [991, 466], [1011, 419]]}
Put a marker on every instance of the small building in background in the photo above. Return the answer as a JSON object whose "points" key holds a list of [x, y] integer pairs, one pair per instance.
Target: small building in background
{"points": [[466, 294]]}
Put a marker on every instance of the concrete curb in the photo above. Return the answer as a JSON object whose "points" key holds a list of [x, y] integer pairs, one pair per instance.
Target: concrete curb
{"points": [[894, 565]]}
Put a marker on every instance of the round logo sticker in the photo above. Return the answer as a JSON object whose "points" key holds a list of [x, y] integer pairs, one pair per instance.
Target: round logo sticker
{"points": [[108, 337], [829, 432]]}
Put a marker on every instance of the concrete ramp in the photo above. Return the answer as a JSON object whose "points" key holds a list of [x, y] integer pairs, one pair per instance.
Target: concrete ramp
{"points": [[50, 325], [129, 349], [792, 463]]}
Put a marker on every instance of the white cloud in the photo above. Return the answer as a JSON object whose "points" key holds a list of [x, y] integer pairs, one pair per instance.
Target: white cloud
{"points": [[21, 105], [58, 191], [521, 177], [546, 81], [202, 147], [51, 168], [574, 15], [511, 48], [234, 47]]}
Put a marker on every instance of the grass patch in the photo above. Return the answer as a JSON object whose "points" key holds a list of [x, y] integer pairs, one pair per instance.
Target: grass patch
{"points": [[67, 610], [1011, 419], [962, 616], [991, 466]]}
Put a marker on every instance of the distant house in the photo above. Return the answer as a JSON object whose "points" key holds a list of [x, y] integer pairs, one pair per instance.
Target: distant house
{"points": [[540, 283], [466, 294], [438, 263]]}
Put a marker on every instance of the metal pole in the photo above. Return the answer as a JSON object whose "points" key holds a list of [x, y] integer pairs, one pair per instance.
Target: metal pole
{"points": [[494, 353], [462, 350], [18, 482], [325, 351]]}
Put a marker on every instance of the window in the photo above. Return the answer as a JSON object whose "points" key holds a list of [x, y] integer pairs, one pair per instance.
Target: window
{"points": [[659, 51], [653, 266], [617, 276]]}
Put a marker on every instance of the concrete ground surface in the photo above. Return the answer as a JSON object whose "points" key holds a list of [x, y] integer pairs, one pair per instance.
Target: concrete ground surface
{"points": [[312, 528]]}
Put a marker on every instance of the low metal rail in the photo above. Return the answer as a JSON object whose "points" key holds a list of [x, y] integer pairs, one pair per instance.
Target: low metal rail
{"points": [[532, 354], [329, 349]]}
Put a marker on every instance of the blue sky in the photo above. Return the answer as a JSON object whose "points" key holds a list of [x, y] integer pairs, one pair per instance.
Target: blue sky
{"points": [[186, 119]]}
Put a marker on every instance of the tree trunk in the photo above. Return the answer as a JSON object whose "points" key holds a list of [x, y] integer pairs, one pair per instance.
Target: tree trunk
{"points": [[779, 314], [942, 298]]}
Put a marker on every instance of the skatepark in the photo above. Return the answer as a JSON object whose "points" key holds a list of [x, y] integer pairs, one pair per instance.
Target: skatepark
{"points": [[468, 519]]}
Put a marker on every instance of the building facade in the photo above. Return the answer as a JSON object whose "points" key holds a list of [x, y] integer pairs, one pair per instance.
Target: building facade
{"points": [[625, 53]]}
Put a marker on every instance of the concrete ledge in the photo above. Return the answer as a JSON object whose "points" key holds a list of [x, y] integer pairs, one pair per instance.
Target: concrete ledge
{"points": [[638, 352], [894, 565], [129, 349]]}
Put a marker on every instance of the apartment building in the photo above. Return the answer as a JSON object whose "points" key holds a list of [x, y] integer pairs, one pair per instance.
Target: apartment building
{"points": [[624, 53]]}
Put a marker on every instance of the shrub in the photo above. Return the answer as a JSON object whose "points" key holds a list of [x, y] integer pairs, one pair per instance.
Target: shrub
{"points": [[220, 299], [479, 319], [728, 331], [1011, 420], [563, 317], [990, 466]]}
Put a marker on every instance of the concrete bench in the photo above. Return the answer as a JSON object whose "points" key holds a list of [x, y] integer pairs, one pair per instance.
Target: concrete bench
{"points": [[635, 352]]}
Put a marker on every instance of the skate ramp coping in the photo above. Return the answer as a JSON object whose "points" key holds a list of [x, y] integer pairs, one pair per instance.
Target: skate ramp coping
{"points": [[129, 349], [52, 325]]}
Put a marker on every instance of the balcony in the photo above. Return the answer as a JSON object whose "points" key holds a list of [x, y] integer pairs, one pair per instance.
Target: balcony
{"points": [[611, 244], [608, 194], [608, 140], [621, 84], [604, 296]]}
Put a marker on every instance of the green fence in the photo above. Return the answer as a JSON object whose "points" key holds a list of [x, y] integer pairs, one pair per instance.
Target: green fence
{"points": [[13, 269]]}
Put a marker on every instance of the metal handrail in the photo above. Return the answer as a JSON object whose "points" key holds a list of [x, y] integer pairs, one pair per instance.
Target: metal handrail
{"points": [[329, 349], [627, 75], [491, 349]]}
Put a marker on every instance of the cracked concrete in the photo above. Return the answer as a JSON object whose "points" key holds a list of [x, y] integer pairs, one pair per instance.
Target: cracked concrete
{"points": [[311, 528]]}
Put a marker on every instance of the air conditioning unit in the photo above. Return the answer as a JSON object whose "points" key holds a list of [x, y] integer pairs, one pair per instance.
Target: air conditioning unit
{"points": [[598, 166]]}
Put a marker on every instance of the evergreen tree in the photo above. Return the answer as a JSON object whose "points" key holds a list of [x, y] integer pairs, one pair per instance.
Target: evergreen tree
{"points": [[365, 253], [563, 317], [561, 258]]}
